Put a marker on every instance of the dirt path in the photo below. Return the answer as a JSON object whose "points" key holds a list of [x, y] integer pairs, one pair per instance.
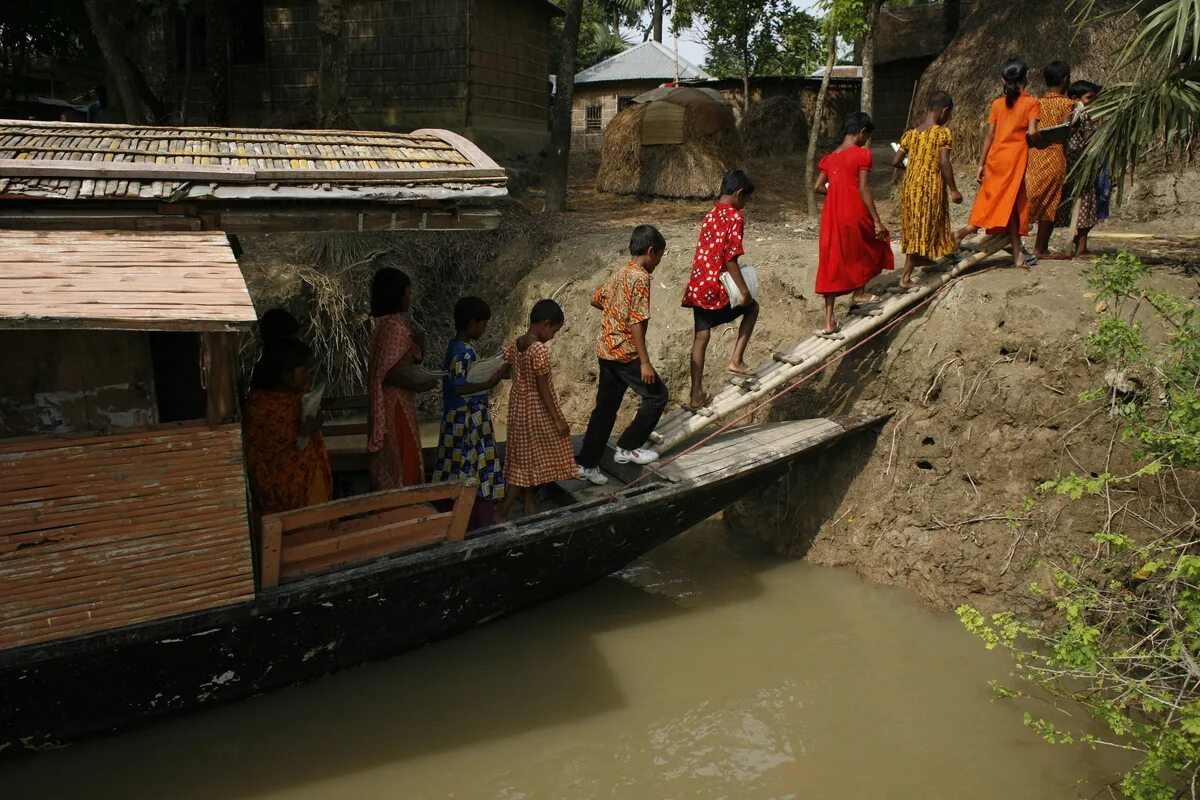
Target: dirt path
{"points": [[982, 387]]}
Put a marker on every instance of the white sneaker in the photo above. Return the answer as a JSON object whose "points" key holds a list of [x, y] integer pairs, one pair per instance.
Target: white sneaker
{"points": [[592, 475], [639, 455]]}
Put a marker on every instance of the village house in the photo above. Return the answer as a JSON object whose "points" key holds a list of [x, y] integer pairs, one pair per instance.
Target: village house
{"points": [[907, 41], [603, 90], [478, 67]]}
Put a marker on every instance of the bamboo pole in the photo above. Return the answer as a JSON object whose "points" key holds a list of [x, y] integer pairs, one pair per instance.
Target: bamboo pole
{"points": [[810, 353]]}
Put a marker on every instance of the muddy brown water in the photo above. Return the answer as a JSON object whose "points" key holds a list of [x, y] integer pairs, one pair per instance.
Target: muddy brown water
{"points": [[708, 669]]}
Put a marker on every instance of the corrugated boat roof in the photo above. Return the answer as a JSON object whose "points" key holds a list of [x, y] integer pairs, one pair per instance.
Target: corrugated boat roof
{"points": [[88, 161], [132, 281], [649, 60]]}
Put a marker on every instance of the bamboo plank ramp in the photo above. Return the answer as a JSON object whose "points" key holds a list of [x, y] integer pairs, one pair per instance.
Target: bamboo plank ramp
{"points": [[790, 365]]}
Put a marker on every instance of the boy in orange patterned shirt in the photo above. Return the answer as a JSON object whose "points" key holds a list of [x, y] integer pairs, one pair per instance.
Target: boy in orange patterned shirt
{"points": [[624, 360]]}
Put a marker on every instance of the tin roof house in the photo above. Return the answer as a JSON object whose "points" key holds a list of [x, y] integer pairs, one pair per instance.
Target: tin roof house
{"points": [[603, 90]]}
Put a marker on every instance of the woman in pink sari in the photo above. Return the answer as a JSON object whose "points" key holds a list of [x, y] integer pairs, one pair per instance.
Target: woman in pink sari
{"points": [[394, 443]]}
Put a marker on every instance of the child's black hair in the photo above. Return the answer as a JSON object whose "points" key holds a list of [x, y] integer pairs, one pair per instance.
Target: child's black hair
{"points": [[1014, 73], [546, 311], [1079, 88], [939, 100], [735, 181], [468, 310], [857, 122], [279, 356], [277, 323], [645, 237], [1056, 74], [387, 291]]}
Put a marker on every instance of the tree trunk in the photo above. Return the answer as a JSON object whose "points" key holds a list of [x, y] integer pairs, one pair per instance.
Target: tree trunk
{"points": [[951, 15], [868, 58], [332, 109], [745, 94], [657, 20], [216, 53], [814, 126], [560, 132], [114, 60]]}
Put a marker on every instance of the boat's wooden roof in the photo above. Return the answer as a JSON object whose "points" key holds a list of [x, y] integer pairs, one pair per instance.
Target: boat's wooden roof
{"points": [[89, 161], [133, 281]]}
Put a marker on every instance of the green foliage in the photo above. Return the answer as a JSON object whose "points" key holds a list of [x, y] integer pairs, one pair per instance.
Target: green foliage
{"points": [[1161, 106], [597, 38], [753, 37], [1125, 644], [54, 29]]}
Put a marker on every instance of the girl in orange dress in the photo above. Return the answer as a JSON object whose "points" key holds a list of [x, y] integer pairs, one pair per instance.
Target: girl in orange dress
{"points": [[394, 443], [285, 455], [854, 241], [1047, 171], [1001, 205], [539, 438]]}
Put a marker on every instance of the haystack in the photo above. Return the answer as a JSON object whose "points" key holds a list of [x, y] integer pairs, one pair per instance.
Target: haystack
{"points": [[775, 127], [1037, 31], [675, 143]]}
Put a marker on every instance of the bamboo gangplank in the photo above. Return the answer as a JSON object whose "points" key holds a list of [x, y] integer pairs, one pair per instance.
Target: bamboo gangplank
{"points": [[789, 365]]}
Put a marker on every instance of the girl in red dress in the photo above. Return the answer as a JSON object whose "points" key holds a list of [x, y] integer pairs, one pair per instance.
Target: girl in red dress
{"points": [[855, 245]]}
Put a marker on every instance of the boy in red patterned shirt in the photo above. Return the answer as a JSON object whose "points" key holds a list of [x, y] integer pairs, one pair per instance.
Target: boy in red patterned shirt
{"points": [[717, 251]]}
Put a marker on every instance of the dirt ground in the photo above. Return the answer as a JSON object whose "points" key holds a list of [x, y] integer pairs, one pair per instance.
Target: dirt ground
{"points": [[981, 386]]}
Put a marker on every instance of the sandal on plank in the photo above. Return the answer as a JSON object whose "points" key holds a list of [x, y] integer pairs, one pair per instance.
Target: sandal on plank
{"points": [[834, 335], [701, 410]]}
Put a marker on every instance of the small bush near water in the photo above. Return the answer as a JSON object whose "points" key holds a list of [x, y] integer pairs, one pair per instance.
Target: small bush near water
{"points": [[1125, 642]]}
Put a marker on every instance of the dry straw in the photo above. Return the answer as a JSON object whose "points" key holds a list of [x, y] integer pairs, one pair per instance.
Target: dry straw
{"points": [[692, 169], [1034, 30]]}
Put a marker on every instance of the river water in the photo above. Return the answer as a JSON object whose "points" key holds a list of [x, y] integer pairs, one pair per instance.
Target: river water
{"points": [[709, 669]]}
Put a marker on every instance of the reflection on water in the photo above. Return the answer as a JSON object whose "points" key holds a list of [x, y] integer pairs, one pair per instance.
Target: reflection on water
{"points": [[709, 669]]}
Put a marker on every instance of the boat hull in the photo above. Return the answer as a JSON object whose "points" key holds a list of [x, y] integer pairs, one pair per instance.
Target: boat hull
{"points": [[53, 693]]}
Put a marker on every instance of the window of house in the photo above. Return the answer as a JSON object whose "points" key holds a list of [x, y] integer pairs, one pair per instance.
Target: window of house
{"points": [[624, 102], [593, 117]]}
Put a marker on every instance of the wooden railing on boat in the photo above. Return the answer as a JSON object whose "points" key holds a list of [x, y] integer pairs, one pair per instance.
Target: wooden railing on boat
{"points": [[342, 532], [787, 366]]}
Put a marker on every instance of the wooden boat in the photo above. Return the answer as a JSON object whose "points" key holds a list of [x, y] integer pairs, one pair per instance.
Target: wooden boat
{"points": [[135, 582]]}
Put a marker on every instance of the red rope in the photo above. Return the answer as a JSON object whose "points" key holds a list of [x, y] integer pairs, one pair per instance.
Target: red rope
{"points": [[799, 381]]}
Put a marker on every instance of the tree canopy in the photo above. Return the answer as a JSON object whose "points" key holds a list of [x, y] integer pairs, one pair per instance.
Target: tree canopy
{"points": [[746, 38]]}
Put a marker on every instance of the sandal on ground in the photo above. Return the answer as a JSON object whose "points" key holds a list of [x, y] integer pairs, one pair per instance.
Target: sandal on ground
{"points": [[1030, 260], [870, 301], [700, 410]]}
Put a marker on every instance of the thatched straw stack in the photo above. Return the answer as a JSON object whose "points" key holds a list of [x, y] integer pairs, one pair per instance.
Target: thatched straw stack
{"points": [[691, 170], [775, 127], [1037, 31]]}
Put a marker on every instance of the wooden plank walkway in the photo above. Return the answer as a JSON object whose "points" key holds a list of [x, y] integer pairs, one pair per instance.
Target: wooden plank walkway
{"points": [[789, 365]]}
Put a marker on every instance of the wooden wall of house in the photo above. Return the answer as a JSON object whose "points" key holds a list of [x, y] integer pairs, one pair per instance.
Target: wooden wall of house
{"points": [[65, 381], [101, 532], [510, 64]]}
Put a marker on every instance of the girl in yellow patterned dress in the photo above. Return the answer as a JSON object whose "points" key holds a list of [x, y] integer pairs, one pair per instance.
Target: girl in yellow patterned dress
{"points": [[925, 234]]}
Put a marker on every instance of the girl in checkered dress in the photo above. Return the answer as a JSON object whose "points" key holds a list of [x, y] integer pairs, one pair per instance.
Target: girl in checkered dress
{"points": [[467, 441], [539, 438]]}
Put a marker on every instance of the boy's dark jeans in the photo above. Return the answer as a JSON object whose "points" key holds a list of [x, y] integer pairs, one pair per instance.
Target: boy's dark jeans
{"points": [[615, 378]]}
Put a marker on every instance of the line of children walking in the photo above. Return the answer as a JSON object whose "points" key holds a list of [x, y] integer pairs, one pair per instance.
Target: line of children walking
{"points": [[1020, 178]]}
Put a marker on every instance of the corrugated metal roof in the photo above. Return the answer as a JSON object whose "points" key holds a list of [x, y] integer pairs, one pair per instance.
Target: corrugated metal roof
{"points": [[87, 161], [647, 61], [134, 281]]}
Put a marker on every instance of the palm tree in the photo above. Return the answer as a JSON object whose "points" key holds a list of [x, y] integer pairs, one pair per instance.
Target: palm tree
{"points": [[1160, 106]]}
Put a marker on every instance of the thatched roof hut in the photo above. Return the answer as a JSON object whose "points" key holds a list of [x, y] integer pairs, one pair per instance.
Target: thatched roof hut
{"points": [[1038, 31], [670, 142]]}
